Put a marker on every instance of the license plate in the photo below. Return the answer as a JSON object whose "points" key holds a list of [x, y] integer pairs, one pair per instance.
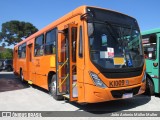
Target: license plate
{"points": [[127, 95]]}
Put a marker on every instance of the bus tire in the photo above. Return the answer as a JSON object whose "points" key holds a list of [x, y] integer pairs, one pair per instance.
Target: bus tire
{"points": [[149, 87], [21, 76], [52, 89]]}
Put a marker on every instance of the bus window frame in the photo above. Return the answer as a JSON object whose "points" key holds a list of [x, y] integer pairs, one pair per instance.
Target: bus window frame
{"points": [[19, 50], [47, 44], [40, 45], [156, 55], [22, 46], [74, 36], [80, 46]]}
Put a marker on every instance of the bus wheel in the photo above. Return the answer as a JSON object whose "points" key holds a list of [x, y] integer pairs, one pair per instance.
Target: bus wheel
{"points": [[21, 76], [52, 89], [149, 87]]}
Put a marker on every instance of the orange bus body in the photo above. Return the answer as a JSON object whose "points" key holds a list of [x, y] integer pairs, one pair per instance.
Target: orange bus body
{"points": [[38, 67]]}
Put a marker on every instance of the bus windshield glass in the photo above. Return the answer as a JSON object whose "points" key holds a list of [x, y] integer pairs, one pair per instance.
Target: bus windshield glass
{"points": [[115, 45]]}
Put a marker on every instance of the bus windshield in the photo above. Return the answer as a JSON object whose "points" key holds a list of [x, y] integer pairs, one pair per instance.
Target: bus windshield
{"points": [[113, 46], [114, 40]]}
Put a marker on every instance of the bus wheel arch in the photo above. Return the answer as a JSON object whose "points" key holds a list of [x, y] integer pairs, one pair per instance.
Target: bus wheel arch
{"points": [[50, 74], [51, 85], [149, 85]]}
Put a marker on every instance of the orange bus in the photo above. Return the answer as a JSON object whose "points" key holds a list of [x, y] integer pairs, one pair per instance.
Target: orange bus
{"points": [[89, 55]]}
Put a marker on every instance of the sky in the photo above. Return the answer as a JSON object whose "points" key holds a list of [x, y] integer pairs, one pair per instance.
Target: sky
{"points": [[42, 12]]}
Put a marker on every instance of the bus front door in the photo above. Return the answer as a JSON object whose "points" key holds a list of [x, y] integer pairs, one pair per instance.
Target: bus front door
{"points": [[66, 63]]}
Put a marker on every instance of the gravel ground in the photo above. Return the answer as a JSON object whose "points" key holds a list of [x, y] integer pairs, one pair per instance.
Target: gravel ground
{"points": [[17, 96]]}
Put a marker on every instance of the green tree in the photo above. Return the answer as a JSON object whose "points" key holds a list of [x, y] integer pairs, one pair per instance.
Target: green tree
{"points": [[7, 54], [15, 31]]}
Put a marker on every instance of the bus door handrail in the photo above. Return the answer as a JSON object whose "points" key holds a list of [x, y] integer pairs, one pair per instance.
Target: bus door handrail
{"points": [[62, 65], [63, 80]]}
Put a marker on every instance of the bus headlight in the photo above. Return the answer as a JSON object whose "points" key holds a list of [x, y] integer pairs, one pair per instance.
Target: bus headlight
{"points": [[98, 82], [144, 77]]}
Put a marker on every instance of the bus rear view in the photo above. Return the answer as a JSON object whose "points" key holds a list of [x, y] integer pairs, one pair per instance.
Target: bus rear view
{"points": [[115, 67]]}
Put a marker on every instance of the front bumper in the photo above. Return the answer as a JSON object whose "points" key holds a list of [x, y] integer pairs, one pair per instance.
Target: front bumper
{"points": [[94, 94]]}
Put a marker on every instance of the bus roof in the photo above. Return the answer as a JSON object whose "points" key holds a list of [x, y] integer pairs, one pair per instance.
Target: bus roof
{"points": [[78, 11], [151, 31]]}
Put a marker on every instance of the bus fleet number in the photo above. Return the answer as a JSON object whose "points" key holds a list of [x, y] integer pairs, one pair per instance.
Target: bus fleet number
{"points": [[117, 83]]}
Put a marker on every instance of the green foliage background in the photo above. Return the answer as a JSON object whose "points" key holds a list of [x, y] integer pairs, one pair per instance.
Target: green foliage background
{"points": [[7, 54], [14, 31]]}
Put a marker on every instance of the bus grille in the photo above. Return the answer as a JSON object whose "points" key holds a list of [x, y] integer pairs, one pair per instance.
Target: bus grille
{"points": [[119, 93]]}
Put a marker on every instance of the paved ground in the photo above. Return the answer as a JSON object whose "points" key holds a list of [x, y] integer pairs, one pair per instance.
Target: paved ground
{"points": [[9, 82], [15, 96]]}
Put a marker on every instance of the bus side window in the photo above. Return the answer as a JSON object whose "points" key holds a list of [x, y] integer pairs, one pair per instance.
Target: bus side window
{"points": [[23, 52], [74, 42], [80, 43], [19, 51], [39, 41], [150, 49], [50, 42]]}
